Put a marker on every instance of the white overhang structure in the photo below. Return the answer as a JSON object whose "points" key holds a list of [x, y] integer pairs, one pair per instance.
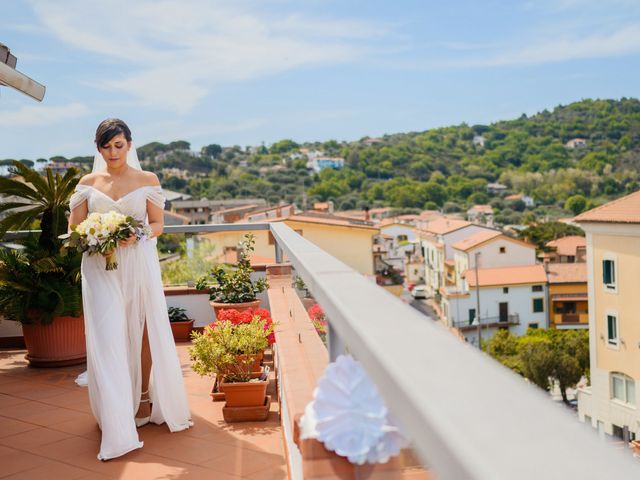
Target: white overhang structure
{"points": [[11, 77]]}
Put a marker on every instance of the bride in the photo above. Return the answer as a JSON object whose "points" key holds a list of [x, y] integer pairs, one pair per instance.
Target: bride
{"points": [[133, 370]]}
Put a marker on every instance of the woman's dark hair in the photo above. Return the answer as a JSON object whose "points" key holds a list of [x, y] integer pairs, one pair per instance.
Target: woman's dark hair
{"points": [[109, 128]]}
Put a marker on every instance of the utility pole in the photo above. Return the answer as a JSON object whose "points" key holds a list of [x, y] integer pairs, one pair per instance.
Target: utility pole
{"points": [[476, 257]]}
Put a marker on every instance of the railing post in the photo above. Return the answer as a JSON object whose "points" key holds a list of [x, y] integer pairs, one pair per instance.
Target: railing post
{"points": [[190, 244], [335, 345]]}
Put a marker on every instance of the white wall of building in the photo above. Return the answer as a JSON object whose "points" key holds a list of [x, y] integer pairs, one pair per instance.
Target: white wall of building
{"points": [[515, 254], [520, 300]]}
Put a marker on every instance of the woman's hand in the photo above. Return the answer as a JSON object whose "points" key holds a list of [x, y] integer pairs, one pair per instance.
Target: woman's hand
{"points": [[128, 241]]}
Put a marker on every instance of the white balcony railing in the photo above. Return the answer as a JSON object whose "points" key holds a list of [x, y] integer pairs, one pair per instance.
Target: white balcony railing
{"points": [[469, 417]]}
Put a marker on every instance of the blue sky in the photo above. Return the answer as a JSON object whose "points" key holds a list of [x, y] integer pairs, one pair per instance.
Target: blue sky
{"points": [[245, 72]]}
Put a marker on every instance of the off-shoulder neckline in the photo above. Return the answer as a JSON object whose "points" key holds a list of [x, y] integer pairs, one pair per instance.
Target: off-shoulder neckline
{"points": [[122, 197]]}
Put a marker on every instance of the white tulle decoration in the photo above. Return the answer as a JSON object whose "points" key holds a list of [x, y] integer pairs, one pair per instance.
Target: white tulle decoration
{"points": [[349, 416]]}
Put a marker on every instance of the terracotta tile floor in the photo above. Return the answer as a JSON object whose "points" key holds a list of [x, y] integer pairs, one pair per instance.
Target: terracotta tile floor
{"points": [[47, 431]]}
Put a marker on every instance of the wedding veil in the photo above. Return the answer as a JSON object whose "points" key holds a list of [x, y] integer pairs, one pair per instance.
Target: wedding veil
{"points": [[100, 165]]}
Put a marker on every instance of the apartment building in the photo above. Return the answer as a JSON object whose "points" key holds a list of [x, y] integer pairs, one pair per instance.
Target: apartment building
{"points": [[610, 404]]}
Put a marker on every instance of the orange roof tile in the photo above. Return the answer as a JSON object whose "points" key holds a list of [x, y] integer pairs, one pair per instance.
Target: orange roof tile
{"points": [[315, 217], [567, 272], [567, 245], [476, 239], [442, 226], [622, 210], [481, 209], [507, 276]]}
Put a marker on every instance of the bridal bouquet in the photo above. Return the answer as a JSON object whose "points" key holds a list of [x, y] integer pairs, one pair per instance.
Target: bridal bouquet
{"points": [[100, 233]]}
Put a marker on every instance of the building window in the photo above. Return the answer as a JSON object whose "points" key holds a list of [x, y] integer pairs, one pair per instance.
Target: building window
{"points": [[503, 249], [612, 329], [533, 325], [609, 274], [536, 288], [505, 289], [538, 305], [472, 315], [623, 388]]}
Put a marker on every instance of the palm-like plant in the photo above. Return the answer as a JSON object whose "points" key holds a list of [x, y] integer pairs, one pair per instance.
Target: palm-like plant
{"points": [[39, 282], [46, 198]]}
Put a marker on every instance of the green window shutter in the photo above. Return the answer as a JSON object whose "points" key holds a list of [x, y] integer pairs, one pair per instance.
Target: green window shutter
{"points": [[607, 272], [538, 305], [612, 333]]}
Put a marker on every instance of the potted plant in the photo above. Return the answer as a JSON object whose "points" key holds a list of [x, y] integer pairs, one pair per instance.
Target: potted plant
{"points": [[303, 291], [231, 286], [181, 324], [228, 350], [319, 320], [40, 283]]}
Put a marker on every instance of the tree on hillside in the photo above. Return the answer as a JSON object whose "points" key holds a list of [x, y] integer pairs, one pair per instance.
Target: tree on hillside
{"points": [[283, 146], [541, 233], [576, 204], [213, 150]]}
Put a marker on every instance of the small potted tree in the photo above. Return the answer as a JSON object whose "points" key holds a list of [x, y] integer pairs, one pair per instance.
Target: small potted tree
{"points": [[229, 351], [181, 324], [231, 286]]}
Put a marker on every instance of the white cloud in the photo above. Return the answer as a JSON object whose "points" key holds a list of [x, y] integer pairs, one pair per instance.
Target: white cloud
{"points": [[38, 115], [624, 41], [171, 54]]}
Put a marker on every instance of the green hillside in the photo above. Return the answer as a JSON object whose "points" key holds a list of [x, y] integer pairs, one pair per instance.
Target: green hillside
{"points": [[441, 167]]}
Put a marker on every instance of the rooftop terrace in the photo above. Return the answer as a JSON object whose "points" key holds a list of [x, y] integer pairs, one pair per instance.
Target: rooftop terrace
{"points": [[467, 416]]}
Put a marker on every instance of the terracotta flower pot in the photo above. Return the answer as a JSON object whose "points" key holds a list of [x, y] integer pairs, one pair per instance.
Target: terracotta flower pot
{"points": [[245, 394], [181, 330], [241, 307], [247, 414], [58, 344]]}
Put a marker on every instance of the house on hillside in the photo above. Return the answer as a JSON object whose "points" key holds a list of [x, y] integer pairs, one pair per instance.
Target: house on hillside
{"points": [[568, 295], [512, 298], [320, 163], [576, 143], [496, 188], [478, 141], [527, 200], [481, 214], [570, 249], [437, 240]]}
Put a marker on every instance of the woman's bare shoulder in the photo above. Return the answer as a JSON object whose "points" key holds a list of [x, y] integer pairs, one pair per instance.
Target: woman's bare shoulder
{"points": [[147, 179], [89, 179]]}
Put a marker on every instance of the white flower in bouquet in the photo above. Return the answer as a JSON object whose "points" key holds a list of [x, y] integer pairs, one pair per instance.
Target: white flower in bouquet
{"points": [[100, 233]]}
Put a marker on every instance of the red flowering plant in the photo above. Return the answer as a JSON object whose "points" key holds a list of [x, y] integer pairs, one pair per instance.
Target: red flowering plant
{"points": [[319, 320], [236, 317]]}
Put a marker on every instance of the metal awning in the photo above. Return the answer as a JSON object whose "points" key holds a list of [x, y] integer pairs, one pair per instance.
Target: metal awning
{"points": [[11, 77], [570, 297]]}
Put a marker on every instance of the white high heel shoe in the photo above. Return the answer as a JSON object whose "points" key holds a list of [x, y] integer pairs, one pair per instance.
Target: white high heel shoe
{"points": [[144, 420]]}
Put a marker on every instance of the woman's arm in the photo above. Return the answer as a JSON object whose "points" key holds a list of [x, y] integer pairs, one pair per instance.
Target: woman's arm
{"points": [[78, 214], [156, 218]]}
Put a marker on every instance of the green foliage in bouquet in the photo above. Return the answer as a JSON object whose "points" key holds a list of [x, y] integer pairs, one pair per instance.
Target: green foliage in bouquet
{"points": [[38, 282], [233, 284]]}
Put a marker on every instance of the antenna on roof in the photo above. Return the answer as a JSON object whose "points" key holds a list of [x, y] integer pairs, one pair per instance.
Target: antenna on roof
{"points": [[10, 77]]}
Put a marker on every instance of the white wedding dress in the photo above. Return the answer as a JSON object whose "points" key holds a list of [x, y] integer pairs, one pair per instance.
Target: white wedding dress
{"points": [[116, 305]]}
